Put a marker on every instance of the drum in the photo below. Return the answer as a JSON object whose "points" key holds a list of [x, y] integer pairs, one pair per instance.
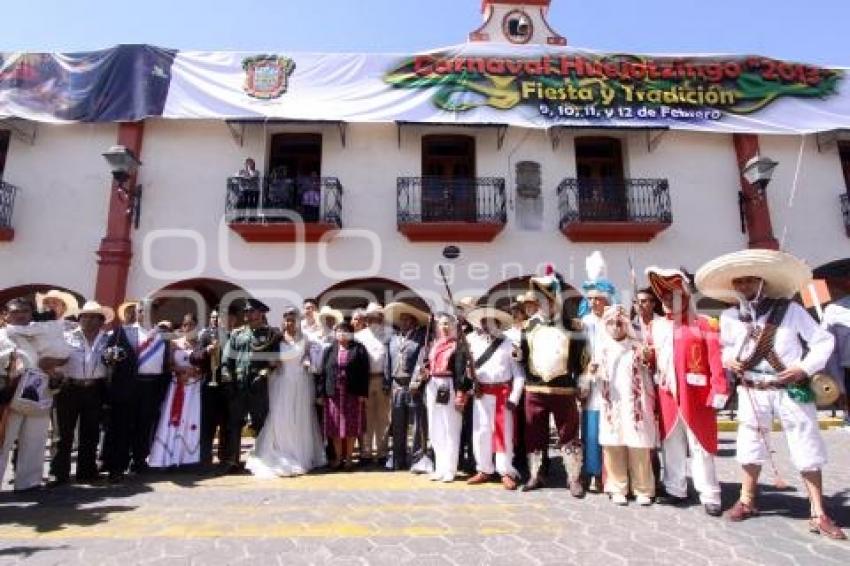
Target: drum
{"points": [[825, 388]]}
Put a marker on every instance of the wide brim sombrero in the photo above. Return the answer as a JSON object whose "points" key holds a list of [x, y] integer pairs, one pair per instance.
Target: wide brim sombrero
{"points": [[327, 311], [394, 311], [783, 274], [72, 306], [475, 316], [121, 311], [93, 307]]}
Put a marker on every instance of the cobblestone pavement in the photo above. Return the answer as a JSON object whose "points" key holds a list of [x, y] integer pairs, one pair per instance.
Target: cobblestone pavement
{"points": [[396, 518]]}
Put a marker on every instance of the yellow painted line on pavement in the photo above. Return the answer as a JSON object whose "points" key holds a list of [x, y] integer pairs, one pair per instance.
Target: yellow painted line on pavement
{"points": [[250, 522], [358, 481]]}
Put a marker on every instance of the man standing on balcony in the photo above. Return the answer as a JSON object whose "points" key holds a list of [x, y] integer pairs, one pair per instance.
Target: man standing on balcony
{"points": [[375, 337], [691, 387]]}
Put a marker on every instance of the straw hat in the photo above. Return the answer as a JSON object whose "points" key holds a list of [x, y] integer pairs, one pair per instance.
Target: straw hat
{"points": [[327, 311], [93, 307], [783, 274], [467, 304], [121, 311], [475, 316], [72, 307], [373, 309], [527, 297], [394, 311]]}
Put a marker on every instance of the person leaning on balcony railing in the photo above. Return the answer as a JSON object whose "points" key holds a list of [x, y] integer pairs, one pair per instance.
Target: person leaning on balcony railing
{"points": [[249, 185], [311, 197]]}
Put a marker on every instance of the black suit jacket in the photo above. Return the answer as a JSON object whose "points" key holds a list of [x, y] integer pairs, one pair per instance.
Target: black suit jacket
{"points": [[357, 371]]}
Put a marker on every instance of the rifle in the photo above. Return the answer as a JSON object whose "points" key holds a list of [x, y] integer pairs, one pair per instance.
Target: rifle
{"points": [[463, 345], [421, 368]]}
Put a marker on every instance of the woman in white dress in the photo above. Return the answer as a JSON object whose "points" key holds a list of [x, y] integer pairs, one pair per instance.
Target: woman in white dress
{"points": [[290, 443], [178, 436]]}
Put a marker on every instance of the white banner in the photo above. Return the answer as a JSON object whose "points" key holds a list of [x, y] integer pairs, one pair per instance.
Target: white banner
{"points": [[534, 87]]}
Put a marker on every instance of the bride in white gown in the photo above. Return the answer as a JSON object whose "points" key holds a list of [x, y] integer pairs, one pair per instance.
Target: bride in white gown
{"points": [[290, 442]]}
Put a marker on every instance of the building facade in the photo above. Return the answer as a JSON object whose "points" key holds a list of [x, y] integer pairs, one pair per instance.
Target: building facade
{"points": [[394, 193]]}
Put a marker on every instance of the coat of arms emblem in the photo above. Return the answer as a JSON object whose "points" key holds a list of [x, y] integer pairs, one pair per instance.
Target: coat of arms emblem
{"points": [[267, 76]]}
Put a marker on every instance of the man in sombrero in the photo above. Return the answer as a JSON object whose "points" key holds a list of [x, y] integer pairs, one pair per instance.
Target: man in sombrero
{"points": [[691, 387], [404, 352], [501, 381], [761, 339]]}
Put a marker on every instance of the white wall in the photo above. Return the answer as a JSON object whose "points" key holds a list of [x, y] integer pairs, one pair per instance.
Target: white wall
{"points": [[61, 210], [61, 207], [807, 220]]}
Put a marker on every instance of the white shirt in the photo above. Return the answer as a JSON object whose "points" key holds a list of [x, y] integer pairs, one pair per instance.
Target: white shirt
{"points": [[85, 362], [796, 324], [594, 329], [501, 367], [376, 346], [152, 358], [313, 331]]}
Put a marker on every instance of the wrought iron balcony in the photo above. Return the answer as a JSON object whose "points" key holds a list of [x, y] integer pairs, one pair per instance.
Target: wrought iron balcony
{"points": [[7, 206], [845, 211], [437, 209], [271, 209], [614, 210]]}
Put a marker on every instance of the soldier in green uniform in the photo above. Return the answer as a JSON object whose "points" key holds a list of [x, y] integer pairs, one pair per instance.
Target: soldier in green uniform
{"points": [[249, 356]]}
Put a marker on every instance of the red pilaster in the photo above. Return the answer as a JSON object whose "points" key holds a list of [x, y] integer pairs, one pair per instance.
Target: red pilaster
{"points": [[756, 208], [116, 247]]}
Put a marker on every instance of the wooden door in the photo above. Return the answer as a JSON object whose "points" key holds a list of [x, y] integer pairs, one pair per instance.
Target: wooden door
{"points": [[601, 186], [4, 149], [448, 185]]}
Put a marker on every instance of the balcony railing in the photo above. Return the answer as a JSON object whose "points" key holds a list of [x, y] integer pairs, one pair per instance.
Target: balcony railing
{"points": [[7, 206], [439, 199], [845, 211], [317, 200], [614, 209]]}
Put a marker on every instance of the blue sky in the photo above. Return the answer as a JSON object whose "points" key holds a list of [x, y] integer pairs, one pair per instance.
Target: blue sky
{"points": [[813, 31]]}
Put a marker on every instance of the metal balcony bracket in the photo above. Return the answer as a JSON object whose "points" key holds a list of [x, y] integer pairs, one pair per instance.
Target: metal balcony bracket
{"points": [[501, 132], [23, 130], [653, 139], [237, 131]]}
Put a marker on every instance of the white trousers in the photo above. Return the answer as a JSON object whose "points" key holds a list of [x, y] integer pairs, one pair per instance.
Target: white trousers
{"points": [[31, 434], [799, 422], [676, 447], [444, 424], [483, 424]]}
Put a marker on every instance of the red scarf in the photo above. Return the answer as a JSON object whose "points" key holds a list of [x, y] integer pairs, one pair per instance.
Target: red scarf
{"points": [[441, 355]]}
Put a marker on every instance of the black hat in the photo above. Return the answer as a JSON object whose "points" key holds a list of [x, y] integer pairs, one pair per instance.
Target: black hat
{"points": [[251, 304]]}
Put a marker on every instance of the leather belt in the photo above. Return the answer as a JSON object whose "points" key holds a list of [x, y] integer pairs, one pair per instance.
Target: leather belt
{"points": [[148, 376], [763, 385], [549, 390], [85, 383], [403, 380]]}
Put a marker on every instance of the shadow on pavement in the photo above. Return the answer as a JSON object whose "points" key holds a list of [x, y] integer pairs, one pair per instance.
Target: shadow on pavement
{"points": [[27, 551], [52, 510]]}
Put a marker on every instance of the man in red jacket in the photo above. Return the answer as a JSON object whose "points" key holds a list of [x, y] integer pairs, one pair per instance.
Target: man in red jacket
{"points": [[691, 387]]}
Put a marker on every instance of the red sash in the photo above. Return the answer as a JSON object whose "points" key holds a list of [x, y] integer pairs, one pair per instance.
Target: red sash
{"points": [[501, 391]]}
